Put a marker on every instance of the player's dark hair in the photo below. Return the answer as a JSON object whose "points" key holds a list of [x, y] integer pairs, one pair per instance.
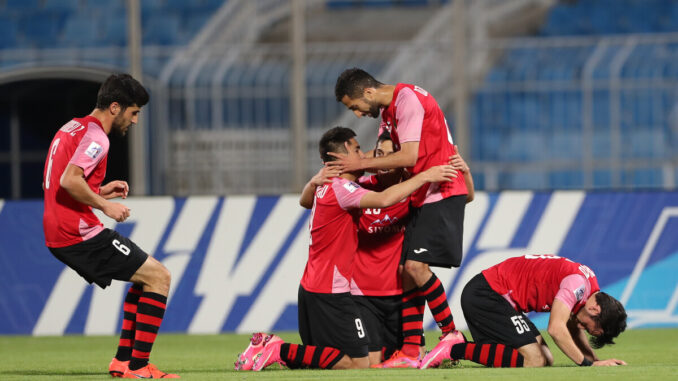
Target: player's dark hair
{"points": [[333, 141], [353, 82], [384, 136], [612, 320], [121, 88]]}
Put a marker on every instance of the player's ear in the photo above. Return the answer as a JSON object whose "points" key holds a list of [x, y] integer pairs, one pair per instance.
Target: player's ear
{"points": [[369, 93], [114, 108]]}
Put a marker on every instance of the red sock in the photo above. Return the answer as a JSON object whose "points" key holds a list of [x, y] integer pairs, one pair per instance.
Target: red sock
{"points": [[435, 295], [309, 356], [412, 313], [128, 323], [492, 355], [150, 312]]}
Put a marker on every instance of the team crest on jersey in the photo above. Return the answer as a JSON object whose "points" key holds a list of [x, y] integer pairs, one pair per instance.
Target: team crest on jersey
{"points": [[93, 150], [351, 186], [320, 192]]}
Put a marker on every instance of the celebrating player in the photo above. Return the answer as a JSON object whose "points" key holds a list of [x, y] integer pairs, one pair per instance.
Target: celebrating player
{"points": [[494, 303], [433, 236], [74, 170], [328, 316]]}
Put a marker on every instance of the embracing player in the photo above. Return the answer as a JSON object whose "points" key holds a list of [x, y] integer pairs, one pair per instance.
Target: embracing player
{"points": [[495, 301], [329, 322], [433, 236]]}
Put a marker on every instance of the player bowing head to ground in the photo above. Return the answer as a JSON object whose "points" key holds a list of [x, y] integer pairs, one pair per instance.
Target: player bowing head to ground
{"points": [[74, 170], [495, 301], [433, 236], [330, 325]]}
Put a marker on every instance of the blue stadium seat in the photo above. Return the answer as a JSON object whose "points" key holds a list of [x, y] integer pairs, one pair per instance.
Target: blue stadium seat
{"points": [[162, 29], [81, 31], [115, 30], [8, 33], [41, 28]]}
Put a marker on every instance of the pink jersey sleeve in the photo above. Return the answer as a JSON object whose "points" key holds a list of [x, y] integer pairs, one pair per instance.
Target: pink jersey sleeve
{"points": [[348, 193], [409, 116], [92, 149], [573, 289]]}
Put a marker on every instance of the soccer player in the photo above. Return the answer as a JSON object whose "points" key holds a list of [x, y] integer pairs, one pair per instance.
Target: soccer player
{"points": [[494, 303], [433, 236], [376, 283], [73, 174], [329, 324]]}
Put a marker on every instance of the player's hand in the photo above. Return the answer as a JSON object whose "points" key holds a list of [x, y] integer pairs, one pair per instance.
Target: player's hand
{"points": [[116, 211], [116, 188], [325, 175], [458, 162], [440, 173], [344, 163], [609, 362]]}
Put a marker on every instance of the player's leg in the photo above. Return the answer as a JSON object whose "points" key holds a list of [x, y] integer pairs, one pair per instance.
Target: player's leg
{"points": [[545, 350], [498, 330], [154, 280], [121, 360], [373, 322], [434, 238]]}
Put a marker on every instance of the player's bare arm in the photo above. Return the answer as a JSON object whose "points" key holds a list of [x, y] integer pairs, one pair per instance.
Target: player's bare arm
{"points": [[406, 157], [73, 181], [116, 188], [324, 175], [458, 162], [581, 340], [397, 192], [558, 329]]}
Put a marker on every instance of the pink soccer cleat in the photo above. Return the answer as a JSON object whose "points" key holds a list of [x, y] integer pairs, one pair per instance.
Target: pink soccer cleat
{"points": [[245, 360], [442, 351], [401, 360], [117, 368], [270, 354]]}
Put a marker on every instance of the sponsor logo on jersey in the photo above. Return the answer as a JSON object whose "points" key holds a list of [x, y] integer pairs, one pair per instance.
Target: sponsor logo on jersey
{"points": [[351, 186], [320, 192], [420, 250], [579, 293], [93, 150]]}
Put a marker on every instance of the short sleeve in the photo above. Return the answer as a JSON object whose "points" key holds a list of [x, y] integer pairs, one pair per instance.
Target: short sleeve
{"points": [[409, 116], [92, 149], [348, 193], [573, 289]]}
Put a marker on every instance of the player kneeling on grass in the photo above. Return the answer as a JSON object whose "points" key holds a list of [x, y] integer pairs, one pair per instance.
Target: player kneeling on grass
{"points": [[330, 325], [494, 303]]}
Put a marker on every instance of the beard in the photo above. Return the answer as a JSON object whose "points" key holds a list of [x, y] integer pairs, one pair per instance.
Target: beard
{"points": [[375, 109], [119, 128]]}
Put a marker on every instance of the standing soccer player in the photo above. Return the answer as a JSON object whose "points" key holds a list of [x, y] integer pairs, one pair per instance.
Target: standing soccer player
{"points": [[433, 236], [329, 323], [494, 303], [74, 170]]}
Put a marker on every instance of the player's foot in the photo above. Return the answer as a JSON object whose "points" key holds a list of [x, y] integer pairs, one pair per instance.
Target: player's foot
{"points": [[401, 360], [270, 354], [117, 368], [245, 360], [442, 351], [149, 371]]}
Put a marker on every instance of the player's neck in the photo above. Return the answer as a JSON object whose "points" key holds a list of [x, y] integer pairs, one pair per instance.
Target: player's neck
{"points": [[348, 176], [105, 120], [385, 95]]}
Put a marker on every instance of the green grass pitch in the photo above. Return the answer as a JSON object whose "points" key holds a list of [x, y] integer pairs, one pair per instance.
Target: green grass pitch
{"points": [[652, 354]]}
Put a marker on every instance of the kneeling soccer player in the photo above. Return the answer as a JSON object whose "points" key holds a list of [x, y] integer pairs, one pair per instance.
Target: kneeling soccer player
{"points": [[494, 303]]}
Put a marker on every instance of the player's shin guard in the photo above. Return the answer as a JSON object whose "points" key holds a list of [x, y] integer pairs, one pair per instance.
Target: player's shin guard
{"points": [[128, 323], [492, 355], [309, 356], [435, 295], [412, 313], [150, 312]]}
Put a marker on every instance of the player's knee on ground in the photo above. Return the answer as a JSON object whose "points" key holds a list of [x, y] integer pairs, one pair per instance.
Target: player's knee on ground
{"points": [[533, 356], [347, 362]]}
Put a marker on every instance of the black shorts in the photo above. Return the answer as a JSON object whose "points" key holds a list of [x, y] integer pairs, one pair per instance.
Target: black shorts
{"points": [[104, 257], [492, 319], [332, 320], [434, 233], [381, 319]]}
